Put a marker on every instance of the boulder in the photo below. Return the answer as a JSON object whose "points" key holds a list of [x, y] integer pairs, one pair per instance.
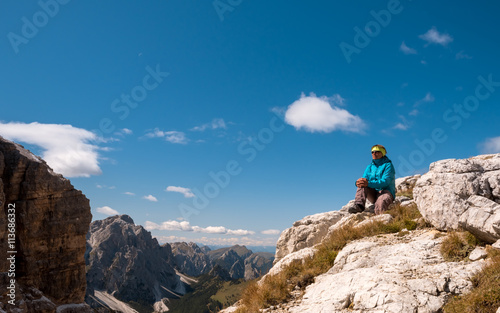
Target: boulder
{"points": [[462, 193], [406, 184], [306, 233]]}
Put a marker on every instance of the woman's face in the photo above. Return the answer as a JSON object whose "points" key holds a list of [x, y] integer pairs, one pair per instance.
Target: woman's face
{"points": [[376, 155]]}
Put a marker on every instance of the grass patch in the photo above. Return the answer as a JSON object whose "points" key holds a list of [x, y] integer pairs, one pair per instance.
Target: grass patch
{"points": [[485, 297], [458, 245], [230, 292], [276, 289]]}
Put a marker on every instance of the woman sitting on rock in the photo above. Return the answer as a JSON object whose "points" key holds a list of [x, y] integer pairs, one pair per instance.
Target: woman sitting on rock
{"points": [[378, 183]]}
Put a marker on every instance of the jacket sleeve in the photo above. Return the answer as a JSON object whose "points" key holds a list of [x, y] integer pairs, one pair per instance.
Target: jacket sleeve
{"points": [[365, 174], [388, 176]]}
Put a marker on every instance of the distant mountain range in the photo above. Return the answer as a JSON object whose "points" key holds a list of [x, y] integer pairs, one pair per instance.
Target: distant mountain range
{"points": [[127, 270]]}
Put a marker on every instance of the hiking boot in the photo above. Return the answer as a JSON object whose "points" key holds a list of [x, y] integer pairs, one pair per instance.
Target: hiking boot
{"points": [[357, 208]]}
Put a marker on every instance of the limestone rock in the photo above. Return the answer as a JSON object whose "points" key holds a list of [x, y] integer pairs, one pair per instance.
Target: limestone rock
{"points": [[51, 221], [478, 253], [406, 184], [126, 262], [190, 259], [289, 258], [496, 245], [306, 233], [462, 193], [389, 274]]}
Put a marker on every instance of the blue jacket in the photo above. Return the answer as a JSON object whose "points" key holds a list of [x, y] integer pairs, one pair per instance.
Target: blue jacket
{"points": [[381, 175]]}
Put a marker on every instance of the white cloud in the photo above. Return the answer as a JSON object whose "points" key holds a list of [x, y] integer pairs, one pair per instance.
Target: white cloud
{"points": [[413, 112], [406, 49], [210, 230], [170, 136], [221, 241], [129, 193], [401, 126], [186, 226], [433, 36], [240, 232], [490, 145], [428, 98], [185, 191], [317, 114], [169, 225], [462, 55], [271, 232], [215, 124], [150, 198], [68, 150], [106, 210]]}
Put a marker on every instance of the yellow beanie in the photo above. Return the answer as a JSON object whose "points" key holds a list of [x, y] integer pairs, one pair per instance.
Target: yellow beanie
{"points": [[376, 148]]}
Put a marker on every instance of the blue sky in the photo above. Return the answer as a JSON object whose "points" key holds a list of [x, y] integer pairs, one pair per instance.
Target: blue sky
{"points": [[223, 122]]}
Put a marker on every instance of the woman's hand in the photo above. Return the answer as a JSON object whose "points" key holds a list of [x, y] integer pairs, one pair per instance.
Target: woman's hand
{"points": [[362, 182]]}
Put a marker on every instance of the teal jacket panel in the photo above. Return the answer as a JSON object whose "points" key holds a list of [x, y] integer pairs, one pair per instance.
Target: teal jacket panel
{"points": [[381, 175]]}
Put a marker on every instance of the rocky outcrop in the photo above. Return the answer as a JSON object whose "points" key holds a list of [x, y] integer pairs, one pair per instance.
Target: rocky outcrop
{"points": [[125, 261], [312, 229], [462, 193], [190, 259], [49, 219], [306, 233], [389, 274], [406, 184]]}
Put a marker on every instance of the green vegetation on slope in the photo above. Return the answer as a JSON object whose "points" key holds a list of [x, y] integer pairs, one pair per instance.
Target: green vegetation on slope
{"points": [[209, 295]]}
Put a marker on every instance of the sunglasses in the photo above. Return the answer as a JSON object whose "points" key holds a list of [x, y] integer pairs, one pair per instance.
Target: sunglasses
{"points": [[373, 152]]}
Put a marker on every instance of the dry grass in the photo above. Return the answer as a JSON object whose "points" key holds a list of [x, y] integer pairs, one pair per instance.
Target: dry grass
{"points": [[458, 245], [485, 297], [276, 289]]}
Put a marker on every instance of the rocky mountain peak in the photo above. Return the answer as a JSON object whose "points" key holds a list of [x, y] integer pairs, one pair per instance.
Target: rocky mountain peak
{"points": [[125, 261]]}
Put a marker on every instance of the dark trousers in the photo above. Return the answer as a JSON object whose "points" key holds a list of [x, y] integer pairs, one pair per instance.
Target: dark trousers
{"points": [[382, 199]]}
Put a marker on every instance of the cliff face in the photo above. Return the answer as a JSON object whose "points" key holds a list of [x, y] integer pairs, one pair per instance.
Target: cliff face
{"points": [[190, 259], [51, 220]]}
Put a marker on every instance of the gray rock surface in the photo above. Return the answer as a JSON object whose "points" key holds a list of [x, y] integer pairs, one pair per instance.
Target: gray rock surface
{"points": [[406, 184], [126, 262], [389, 274], [306, 233], [478, 253], [190, 259], [462, 193]]}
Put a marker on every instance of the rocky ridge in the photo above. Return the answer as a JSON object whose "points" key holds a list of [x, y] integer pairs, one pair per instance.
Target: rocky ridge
{"points": [[404, 272], [124, 261], [50, 219], [229, 263]]}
